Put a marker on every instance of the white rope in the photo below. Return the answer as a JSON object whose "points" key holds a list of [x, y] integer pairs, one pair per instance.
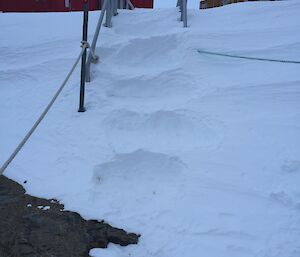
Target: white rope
{"points": [[84, 46]]}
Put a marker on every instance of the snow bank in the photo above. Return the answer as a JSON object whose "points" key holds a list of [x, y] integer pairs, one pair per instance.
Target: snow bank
{"points": [[199, 154]]}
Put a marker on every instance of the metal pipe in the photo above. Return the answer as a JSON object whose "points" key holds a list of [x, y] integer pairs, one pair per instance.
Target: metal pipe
{"points": [[115, 8], [108, 14], [184, 13], [83, 59], [92, 57], [129, 5]]}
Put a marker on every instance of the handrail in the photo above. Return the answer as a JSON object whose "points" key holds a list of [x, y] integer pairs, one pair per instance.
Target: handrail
{"points": [[182, 4], [109, 9], [84, 46]]}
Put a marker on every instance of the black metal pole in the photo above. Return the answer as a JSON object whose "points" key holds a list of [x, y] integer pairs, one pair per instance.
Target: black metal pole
{"points": [[83, 60]]}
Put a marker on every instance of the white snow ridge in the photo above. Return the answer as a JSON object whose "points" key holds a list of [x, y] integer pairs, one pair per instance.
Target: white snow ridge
{"points": [[162, 130], [136, 166]]}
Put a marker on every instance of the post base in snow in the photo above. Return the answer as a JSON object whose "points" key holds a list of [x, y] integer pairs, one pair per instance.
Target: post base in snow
{"points": [[95, 59], [82, 109]]}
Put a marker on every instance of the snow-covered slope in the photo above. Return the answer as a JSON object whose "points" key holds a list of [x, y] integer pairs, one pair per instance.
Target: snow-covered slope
{"points": [[200, 154]]}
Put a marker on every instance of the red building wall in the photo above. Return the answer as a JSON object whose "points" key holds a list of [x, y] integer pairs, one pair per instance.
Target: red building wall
{"points": [[44, 5], [143, 3], [57, 5]]}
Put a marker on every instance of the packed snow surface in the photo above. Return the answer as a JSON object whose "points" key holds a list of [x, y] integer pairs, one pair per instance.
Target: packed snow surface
{"points": [[199, 154]]}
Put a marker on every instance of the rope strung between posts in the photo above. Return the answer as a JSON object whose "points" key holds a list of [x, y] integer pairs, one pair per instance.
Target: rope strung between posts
{"points": [[84, 46], [247, 57]]}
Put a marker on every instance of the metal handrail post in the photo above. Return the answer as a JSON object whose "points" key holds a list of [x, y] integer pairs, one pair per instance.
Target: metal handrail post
{"points": [[129, 5], [91, 56], [108, 14], [115, 9], [184, 13], [109, 8], [83, 58], [182, 4], [181, 10]]}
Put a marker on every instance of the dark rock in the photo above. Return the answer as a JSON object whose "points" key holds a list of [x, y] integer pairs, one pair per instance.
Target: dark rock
{"points": [[27, 229]]}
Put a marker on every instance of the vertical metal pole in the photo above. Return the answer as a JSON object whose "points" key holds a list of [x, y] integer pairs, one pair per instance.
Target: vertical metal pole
{"points": [[83, 59], [115, 10], [129, 5], [180, 9], [94, 42], [108, 14], [184, 12]]}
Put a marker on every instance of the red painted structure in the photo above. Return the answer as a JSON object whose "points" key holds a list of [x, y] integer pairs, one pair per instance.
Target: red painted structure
{"points": [[141, 3], [58, 5]]}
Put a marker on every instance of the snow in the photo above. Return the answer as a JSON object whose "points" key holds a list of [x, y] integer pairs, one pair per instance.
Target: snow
{"points": [[171, 3], [199, 154], [44, 208]]}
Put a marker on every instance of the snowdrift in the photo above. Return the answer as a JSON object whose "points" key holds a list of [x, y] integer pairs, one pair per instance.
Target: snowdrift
{"points": [[198, 153]]}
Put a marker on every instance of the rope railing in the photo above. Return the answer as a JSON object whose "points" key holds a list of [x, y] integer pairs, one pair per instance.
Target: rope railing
{"points": [[247, 57], [110, 8], [84, 46]]}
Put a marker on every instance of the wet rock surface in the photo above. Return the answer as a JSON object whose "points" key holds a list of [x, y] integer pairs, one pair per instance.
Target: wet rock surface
{"points": [[35, 227]]}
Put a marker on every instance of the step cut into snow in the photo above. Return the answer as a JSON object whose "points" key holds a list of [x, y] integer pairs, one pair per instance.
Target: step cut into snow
{"points": [[140, 165], [161, 130], [171, 83]]}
